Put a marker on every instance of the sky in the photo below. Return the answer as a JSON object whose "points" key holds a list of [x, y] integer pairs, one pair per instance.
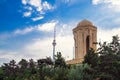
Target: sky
{"points": [[26, 26]]}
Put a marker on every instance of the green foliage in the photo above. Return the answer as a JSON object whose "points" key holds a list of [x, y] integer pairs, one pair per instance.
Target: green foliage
{"points": [[1, 73], [108, 67], [60, 68], [59, 60], [44, 72], [81, 72], [91, 58], [60, 73], [106, 62]]}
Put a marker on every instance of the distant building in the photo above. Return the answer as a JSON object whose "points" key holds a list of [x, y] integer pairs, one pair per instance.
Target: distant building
{"points": [[85, 37]]}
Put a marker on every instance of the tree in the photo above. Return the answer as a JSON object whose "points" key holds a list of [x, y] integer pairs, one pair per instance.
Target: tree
{"points": [[106, 61], [109, 60], [60, 73], [23, 64], [81, 72], [59, 60], [23, 68], [115, 45], [45, 68], [10, 70], [91, 58], [60, 68], [1, 74]]}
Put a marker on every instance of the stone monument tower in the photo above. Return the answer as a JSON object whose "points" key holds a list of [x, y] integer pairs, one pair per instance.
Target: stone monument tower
{"points": [[85, 37]]}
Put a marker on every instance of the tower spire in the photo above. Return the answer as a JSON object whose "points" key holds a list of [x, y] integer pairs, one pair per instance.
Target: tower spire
{"points": [[54, 43]]}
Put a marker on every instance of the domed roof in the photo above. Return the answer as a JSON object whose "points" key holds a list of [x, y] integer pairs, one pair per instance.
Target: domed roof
{"points": [[85, 23]]}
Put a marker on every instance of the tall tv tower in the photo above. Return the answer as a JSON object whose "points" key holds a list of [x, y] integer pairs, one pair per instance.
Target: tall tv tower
{"points": [[54, 43]]}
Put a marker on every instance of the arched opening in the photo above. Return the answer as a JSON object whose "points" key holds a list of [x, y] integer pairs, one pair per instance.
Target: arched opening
{"points": [[87, 43]]}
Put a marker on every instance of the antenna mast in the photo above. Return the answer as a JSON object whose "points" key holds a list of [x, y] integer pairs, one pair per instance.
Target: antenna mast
{"points": [[54, 43]]}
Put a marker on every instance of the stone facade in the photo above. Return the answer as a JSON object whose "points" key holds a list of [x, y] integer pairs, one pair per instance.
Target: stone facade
{"points": [[85, 37]]}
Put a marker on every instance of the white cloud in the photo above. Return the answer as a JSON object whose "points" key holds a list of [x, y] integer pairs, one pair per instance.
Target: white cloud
{"points": [[24, 2], [46, 5], [27, 14], [36, 3], [23, 31], [10, 55], [64, 40], [106, 35], [47, 26], [40, 48], [29, 8], [65, 45], [38, 6], [95, 2], [43, 47], [112, 4], [4, 36], [37, 18]]}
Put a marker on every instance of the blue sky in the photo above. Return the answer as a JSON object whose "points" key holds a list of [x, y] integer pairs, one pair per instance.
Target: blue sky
{"points": [[26, 26]]}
